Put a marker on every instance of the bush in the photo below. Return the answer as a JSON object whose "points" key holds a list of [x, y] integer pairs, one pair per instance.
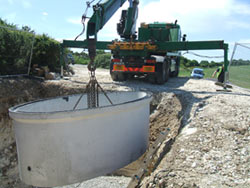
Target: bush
{"points": [[80, 58], [15, 48], [46, 52], [103, 60], [14, 51], [204, 64]]}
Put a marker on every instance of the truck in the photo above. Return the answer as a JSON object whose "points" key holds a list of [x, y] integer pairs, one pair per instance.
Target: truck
{"points": [[141, 57], [154, 53]]}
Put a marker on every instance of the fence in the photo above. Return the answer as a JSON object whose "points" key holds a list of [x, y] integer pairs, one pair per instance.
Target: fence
{"points": [[239, 69]]}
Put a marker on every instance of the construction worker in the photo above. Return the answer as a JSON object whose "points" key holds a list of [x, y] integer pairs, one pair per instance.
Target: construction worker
{"points": [[220, 74]]}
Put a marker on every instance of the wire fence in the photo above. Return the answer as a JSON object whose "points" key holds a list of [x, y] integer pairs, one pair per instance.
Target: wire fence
{"points": [[16, 49], [239, 65]]}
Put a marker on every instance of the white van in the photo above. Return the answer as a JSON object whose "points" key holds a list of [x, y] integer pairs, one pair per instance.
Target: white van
{"points": [[197, 73]]}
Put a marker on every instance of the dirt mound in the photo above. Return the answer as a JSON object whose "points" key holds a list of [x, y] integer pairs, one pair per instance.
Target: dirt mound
{"points": [[212, 150]]}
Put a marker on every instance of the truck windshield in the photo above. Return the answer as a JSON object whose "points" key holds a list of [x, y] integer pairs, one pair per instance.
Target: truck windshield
{"points": [[198, 71]]}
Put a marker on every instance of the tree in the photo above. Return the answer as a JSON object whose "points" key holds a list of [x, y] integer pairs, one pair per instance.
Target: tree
{"points": [[27, 29], [194, 63], [15, 49], [204, 63], [184, 61], [46, 52], [212, 64]]}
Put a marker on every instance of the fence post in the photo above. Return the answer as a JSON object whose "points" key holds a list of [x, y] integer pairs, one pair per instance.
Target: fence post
{"points": [[61, 58]]}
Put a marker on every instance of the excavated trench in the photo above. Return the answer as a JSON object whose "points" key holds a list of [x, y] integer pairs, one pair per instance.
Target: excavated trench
{"points": [[166, 108]]}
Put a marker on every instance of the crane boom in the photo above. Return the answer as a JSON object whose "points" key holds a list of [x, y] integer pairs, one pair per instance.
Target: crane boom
{"points": [[102, 13]]}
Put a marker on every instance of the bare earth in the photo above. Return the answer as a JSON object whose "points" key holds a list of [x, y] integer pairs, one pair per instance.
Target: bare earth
{"points": [[210, 131]]}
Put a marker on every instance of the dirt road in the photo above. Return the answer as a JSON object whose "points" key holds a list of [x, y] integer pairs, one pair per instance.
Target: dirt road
{"points": [[210, 131]]}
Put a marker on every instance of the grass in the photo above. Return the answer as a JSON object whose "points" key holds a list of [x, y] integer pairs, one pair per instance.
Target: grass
{"points": [[186, 72], [238, 75]]}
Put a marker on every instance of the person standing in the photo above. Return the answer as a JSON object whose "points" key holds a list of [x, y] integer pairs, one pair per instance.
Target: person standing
{"points": [[220, 74]]}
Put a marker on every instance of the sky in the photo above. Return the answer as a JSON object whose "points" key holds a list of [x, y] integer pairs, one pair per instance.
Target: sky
{"points": [[227, 20]]}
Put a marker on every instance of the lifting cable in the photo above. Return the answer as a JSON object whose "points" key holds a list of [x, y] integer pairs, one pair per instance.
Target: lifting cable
{"points": [[84, 16]]}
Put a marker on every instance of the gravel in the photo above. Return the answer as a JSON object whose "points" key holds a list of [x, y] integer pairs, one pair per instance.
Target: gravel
{"points": [[102, 182]]}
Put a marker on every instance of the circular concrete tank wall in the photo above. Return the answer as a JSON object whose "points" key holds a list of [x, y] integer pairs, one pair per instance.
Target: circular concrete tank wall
{"points": [[57, 145]]}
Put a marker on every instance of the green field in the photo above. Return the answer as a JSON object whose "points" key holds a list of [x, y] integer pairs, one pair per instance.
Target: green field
{"points": [[238, 75], [186, 72]]}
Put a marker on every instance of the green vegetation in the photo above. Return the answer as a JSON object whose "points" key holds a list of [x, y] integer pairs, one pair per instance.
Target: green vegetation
{"points": [[102, 59], [15, 49], [186, 72], [240, 75]]}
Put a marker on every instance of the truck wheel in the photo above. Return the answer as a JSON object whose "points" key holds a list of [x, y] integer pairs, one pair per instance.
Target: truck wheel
{"points": [[113, 75], [122, 76], [167, 71], [175, 73], [161, 75], [130, 76], [151, 78]]}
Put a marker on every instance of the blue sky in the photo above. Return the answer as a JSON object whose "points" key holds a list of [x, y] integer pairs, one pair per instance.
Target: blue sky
{"points": [[227, 20]]}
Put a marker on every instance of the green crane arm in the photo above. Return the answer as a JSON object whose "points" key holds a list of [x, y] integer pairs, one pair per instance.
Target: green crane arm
{"points": [[126, 28], [102, 13]]}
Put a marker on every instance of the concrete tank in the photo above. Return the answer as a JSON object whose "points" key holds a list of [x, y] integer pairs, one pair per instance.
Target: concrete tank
{"points": [[57, 145]]}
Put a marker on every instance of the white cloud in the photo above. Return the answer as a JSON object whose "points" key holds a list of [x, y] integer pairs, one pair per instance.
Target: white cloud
{"points": [[193, 15], [243, 9], [45, 14], [246, 41], [238, 24], [76, 21], [208, 18], [26, 4], [10, 2]]}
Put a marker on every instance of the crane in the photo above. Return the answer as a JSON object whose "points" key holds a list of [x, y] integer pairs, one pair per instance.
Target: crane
{"points": [[154, 53]]}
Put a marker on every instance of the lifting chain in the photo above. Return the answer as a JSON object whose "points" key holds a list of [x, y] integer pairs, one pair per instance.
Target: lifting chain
{"points": [[93, 86], [93, 92]]}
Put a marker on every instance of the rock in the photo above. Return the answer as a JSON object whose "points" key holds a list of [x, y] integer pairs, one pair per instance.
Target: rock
{"points": [[50, 76], [6, 150], [193, 165], [172, 174]]}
